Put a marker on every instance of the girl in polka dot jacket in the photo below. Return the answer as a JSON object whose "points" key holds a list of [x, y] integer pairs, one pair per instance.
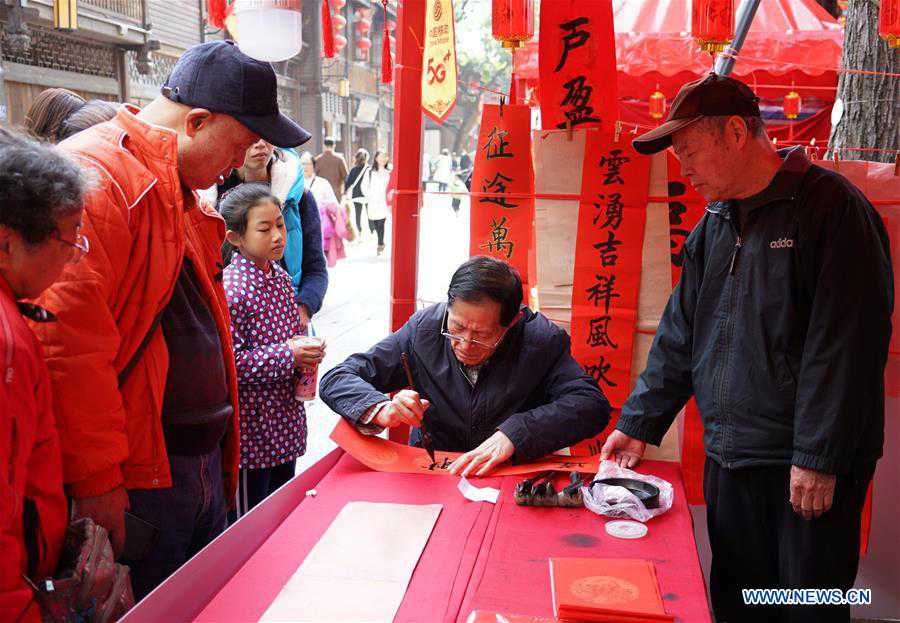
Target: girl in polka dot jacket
{"points": [[268, 345]]}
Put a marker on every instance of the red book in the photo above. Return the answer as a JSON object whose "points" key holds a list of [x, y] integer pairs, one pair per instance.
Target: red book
{"points": [[607, 590]]}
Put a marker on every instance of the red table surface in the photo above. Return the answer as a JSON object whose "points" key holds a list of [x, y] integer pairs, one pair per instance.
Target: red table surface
{"points": [[480, 556]]}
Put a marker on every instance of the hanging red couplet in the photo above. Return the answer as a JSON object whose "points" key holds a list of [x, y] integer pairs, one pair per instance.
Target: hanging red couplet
{"points": [[686, 208], [502, 226], [608, 259], [577, 61]]}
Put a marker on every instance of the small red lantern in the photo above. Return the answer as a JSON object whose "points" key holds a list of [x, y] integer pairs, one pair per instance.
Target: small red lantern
{"points": [[712, 24], [364, 44], [889, 22], [338, 21], [792, 104], [657, 105], [363, 26], [337, 5], [340, 42], [513, 22]]}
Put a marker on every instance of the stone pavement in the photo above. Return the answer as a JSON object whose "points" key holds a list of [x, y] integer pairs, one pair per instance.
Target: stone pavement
{"points": [[356, 311]]}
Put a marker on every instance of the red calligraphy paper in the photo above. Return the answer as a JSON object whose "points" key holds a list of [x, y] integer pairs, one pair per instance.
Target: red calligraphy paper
{"points": [[608, 263], [597, 589], [503, 227], [387, 456], [686, 208], [577, 64]]}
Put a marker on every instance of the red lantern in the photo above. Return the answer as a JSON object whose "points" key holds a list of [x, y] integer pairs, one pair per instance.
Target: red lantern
{"points": [[889, 22], [338, 21], [792, 104], [513, 22], [340, 42], [712, 24], [364, 44], [363, 26], [657, 105], [337, 5]]}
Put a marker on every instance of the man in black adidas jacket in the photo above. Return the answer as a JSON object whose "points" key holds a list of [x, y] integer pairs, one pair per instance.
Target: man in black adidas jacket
{"points": [[779, 327]]}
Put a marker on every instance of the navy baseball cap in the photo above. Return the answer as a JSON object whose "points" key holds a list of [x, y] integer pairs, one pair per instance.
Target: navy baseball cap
{"points": [[710, 96], [219, 77]]}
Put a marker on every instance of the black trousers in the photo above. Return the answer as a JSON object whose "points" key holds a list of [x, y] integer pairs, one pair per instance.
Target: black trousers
{"points": [[758, 541], [359, 209], [255, 485], [377, 227]]}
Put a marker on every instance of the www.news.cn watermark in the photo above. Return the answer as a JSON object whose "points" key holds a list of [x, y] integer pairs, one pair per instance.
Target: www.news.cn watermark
{"points": [[807, 597]]}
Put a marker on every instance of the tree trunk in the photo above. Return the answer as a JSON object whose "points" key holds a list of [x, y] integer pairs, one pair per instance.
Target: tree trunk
{"points": [[471, 120], [871, 116]]}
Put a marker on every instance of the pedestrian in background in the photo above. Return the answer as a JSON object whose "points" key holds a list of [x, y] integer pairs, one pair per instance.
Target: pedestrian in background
{"points": [[376, 189], [269, 342], [354, 187], [332, 167], [443, 170], [332, 216]]}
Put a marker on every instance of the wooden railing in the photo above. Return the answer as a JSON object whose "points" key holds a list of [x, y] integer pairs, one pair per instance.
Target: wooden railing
{"points": [[129, 9]]}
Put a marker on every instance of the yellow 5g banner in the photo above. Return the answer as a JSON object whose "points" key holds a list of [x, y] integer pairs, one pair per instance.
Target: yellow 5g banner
{"points": [[439, 61]]}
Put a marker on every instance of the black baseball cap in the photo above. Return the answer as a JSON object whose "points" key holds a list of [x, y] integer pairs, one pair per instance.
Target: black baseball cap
{"points": [[219, 77], [710, 96]]}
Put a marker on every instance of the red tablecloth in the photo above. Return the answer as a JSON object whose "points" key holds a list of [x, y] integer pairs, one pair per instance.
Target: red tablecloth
{"points": [[480, 556]]}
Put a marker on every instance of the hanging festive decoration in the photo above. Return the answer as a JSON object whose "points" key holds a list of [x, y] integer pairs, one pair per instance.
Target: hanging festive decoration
{"points": [[712, 24], [387, 64], [889, 22], [216, 11], [338, 4], [65, 15], [327, 31], [513, 22], [338, 21], [340, 42], [363, 26], [439, 75], [792, 104], [657, 104], [268, 30]]}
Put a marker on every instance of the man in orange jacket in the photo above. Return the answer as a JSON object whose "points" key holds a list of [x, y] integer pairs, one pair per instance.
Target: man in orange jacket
{"points": [[141, 358], [41, 194]]}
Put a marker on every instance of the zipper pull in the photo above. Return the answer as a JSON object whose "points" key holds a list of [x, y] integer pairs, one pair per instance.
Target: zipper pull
{"points": [[737, 249]]}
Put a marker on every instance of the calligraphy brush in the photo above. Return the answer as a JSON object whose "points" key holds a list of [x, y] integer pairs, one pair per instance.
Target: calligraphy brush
{"points": [[426, 436]]}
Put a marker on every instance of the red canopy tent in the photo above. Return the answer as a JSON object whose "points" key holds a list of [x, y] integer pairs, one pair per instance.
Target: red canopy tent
{"points": [[792, 43]]}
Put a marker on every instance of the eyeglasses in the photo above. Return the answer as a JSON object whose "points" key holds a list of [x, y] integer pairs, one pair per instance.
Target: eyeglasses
{"points": [[81, 243], [458, 339]]}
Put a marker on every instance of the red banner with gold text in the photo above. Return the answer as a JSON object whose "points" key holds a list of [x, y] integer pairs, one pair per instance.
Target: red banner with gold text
{"points": [[500, 226], [608, 261], [577, 64]]}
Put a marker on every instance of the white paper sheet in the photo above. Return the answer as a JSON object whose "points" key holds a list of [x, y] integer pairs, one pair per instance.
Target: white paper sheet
{"points": [[478, 494], [359, 570]]}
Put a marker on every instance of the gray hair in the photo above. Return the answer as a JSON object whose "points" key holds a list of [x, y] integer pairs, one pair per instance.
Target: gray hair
{"points": [[755, 126], [39, 186]]}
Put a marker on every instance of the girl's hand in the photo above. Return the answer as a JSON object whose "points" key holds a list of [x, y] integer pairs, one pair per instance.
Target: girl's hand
{"points": [[308, 351]]}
